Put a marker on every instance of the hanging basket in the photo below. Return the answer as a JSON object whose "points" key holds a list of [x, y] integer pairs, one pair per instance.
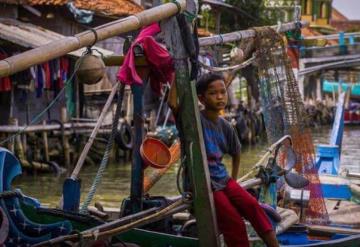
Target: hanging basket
{"points": [[155, 153]]}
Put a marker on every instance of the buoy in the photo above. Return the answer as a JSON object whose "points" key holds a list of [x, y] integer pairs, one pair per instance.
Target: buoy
{"points": [[91, 69]]}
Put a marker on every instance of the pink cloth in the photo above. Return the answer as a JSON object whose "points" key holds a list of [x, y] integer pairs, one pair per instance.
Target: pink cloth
{"points": [[159, 59]]}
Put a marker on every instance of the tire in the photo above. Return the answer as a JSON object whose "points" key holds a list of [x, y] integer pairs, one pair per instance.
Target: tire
{"points": [[124, 137]]}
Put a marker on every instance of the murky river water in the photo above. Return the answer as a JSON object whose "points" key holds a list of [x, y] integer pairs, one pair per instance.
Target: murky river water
{"points": [[115, 184]]}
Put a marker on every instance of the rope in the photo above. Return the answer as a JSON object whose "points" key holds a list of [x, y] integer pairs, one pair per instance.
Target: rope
{"points": [[50, 105], [234, 67], [105, 158]]}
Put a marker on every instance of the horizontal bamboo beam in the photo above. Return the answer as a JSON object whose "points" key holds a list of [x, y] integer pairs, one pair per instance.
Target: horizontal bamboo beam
{"points": [[333, 65], [245, 34], [329, 59], [334, 36], [65, 45], [48, 127]]}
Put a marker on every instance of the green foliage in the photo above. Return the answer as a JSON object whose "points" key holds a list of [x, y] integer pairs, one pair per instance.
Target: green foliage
{"points": [[253, 13]]}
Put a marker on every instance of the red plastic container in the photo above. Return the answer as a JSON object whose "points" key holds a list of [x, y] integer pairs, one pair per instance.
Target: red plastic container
{"points": [[155, 153]]}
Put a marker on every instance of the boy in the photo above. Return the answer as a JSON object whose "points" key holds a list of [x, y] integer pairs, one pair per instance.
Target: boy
{"points": [[231, 201]]}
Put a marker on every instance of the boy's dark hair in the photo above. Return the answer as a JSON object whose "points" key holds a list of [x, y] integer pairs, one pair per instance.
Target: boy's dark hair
{"points": [[204, 81]]}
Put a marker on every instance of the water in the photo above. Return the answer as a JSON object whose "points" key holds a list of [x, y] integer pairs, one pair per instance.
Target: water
{"points": [[115, 184]]}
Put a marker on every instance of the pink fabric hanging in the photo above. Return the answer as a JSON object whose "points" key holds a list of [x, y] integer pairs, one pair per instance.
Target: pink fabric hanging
{"points": [[159, 59]]}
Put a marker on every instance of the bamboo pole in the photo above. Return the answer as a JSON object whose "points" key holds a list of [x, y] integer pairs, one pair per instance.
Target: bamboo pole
{"points": [[65, 45], [48, 127], [207, 41], [86, 149], [245, 34]]}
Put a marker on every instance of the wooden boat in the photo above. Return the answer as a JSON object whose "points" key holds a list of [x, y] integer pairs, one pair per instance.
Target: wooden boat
{"points": [[24, 222]]}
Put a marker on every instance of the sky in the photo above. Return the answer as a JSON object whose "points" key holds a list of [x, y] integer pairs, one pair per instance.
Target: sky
{"points": [[349, 8]]}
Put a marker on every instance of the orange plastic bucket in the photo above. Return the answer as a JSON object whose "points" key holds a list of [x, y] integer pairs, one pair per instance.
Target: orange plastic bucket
{"points": [[155, 153]]}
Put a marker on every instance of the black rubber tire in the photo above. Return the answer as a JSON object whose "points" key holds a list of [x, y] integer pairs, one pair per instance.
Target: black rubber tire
{"points": [[124, 137]]}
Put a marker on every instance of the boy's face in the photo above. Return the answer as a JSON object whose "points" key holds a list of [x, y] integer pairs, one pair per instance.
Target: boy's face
{"points": [[215, 97]]}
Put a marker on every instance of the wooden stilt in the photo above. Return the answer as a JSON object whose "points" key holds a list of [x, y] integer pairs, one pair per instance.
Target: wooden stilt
{"points": [[65, 139], [46, 144], [11, 143]]}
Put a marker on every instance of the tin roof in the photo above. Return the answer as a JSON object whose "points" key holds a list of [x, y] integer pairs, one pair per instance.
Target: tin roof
{"points": [[31, 36], [104, 7]]}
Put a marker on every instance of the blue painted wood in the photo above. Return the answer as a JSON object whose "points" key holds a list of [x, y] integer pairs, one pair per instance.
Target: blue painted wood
{"points": [[20, 230], [328, 159], [337, 240], [328, 156], [71, 194], [333, 191]]}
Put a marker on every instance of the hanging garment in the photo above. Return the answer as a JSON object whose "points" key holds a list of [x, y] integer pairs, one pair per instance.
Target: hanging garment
{"points": [[39, 83], [47, 72], [5, 82], [159, 59], [64, 70]]}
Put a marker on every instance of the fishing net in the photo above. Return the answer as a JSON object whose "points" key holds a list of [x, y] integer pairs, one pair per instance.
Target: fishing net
{"points": [[284, 113]]}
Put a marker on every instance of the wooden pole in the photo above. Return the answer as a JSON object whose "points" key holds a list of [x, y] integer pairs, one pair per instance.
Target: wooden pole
{"points": [[245, 34], [87, 147], [46, 144], [65, 139], [137, 172], [191, 138], [11, 144], [19, 150], [65, 45], [48, 127]]}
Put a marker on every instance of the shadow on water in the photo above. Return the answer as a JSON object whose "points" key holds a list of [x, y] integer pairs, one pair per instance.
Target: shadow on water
{"points": [[115, 184]]}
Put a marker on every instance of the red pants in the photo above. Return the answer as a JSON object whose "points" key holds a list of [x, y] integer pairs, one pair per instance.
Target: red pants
{"points": [[233, 203]]}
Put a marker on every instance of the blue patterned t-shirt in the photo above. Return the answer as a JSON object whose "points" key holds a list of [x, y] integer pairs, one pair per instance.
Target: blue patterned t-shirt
{"points": [[220, 138]]}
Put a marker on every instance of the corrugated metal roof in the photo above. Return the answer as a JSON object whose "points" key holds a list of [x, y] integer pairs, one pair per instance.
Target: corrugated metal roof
{"points": [[105, 7], [31, 36]]}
